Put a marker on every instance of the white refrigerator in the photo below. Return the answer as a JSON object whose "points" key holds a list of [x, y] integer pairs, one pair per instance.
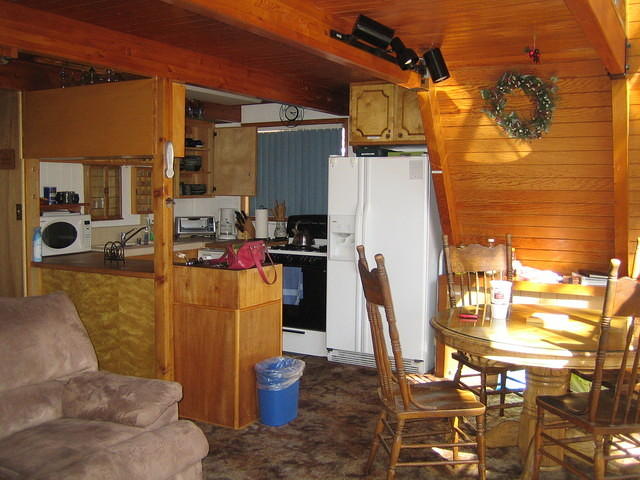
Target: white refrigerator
{"points": [[388, 205]]}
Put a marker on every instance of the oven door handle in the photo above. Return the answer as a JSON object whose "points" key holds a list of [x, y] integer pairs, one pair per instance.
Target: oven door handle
{"points": [[289, 330]]}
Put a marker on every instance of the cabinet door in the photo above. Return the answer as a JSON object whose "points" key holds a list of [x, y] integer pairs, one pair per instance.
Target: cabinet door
{"points": [[372, 111], [409, 126], [234, 161], [106, 120], [141, 190]]}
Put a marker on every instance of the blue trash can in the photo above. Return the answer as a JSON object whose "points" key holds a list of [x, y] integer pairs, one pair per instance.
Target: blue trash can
{"points": [[278, 383]]}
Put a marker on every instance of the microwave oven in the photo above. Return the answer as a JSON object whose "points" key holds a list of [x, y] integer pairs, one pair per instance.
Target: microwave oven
{"points": [[65, 233]]}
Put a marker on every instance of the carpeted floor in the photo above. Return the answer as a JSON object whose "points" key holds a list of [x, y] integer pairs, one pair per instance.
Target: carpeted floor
{"points": [[329, 439]]}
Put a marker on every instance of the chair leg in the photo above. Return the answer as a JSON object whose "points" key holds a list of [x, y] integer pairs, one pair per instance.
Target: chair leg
{"points": [[375, 443], [395, 450], [599, 466], [455, 436], [458, 374], [503, 392], [481, 447], [483, 387], [537, 445]]}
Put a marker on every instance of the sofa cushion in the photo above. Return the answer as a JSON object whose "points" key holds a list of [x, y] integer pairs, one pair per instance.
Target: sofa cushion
{"points": [[29, 406], [158, 454], [41, 338], [54, 445], [118, 398]]}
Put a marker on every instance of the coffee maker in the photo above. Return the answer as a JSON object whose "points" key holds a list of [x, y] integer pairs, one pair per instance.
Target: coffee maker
{"points": [[226, 228]]}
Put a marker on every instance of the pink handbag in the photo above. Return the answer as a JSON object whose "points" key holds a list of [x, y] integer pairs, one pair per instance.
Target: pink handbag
{"points": [[249, 255]]}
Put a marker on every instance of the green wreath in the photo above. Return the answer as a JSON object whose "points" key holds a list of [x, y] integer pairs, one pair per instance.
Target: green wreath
{"points": [[542, 94]]}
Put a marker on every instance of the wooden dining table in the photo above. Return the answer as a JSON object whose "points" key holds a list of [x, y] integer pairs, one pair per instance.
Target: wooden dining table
{"points": [[546, 340]]}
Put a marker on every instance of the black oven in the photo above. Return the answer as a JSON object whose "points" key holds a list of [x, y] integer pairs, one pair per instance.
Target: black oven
{"points": [[304, 296]]}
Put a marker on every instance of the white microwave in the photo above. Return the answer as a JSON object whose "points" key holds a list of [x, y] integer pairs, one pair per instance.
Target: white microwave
{"points": [[65, 233]]}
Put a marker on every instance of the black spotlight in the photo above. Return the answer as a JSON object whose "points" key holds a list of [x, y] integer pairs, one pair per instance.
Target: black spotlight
{"points": [[435, 64], [407, 57], [372, 32]]}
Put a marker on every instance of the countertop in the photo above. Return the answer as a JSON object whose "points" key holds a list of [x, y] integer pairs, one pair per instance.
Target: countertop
{"points": [[93, 262]]}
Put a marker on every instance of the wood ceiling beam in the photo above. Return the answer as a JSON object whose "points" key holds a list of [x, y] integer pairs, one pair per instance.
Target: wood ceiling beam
{"points": [[36, 31], [300, 24], [442, 182], [604, 30]]}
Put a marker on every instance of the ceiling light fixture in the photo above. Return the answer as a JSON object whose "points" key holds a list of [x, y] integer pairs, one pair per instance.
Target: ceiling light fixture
{"points": [[436, 66], [379, 40], [370, 31], [407, 57]]}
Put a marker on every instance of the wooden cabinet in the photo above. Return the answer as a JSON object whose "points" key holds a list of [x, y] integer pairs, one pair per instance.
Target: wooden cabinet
{"points": [[234, 166], [225, 321], [228, 161], [383, 113], [105, 120]]}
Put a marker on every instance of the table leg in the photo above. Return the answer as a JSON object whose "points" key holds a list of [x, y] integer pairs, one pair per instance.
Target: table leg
{"points": [[540, 381]]}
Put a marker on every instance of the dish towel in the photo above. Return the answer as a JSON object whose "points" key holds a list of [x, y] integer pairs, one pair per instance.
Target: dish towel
{"points": [[292, 288]]}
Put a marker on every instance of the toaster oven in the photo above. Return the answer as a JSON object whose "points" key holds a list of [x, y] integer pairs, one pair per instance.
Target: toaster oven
{"points": [[195, 226]]}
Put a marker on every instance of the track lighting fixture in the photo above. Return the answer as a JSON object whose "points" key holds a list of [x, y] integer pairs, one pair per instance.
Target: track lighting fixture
{"points": [[379, 40]]}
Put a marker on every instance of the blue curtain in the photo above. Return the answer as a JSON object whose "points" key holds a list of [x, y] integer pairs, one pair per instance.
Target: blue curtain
{"points": [[292, 167]]}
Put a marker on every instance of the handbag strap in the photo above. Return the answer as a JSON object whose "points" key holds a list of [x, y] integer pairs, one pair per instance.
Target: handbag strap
{"points": [[256, 260]]}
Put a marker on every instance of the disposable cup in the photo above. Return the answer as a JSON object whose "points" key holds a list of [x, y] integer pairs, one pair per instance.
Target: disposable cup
{"points": [[500, 292], [499, 311]]}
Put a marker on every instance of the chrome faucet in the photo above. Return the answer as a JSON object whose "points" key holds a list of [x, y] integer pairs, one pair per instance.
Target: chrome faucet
{"points": [[126, 236]]}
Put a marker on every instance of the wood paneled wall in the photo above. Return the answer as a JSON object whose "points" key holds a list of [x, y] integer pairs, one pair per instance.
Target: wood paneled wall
{"points": [[554, 195], [633, 34]]}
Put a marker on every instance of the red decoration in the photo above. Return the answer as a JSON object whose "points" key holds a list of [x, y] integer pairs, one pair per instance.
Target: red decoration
{"points": [[534, 54]]}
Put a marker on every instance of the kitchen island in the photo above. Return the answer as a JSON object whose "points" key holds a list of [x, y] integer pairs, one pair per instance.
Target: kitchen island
{"points": [[225, 321]]}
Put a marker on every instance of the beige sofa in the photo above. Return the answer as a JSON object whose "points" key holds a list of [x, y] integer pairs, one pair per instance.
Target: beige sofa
{"points": [[61, 418]]}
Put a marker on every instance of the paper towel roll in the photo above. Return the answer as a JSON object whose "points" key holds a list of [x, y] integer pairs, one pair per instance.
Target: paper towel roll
{"points": [[262, 221]]}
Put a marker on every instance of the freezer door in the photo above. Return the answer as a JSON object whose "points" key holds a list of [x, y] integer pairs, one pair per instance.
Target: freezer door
{"points": [[343, 326]]}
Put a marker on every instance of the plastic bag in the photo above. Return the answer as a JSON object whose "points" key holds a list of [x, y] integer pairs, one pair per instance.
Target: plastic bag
{"points": [[278, 373]]}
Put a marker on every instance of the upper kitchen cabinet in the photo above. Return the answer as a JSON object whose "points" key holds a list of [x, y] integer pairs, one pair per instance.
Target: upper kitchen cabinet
{"points": [[234, 165], [104, 120], [384, 114]]}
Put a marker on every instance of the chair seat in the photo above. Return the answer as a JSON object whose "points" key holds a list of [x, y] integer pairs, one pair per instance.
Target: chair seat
{"points": [[575, 406], [442, 400]]}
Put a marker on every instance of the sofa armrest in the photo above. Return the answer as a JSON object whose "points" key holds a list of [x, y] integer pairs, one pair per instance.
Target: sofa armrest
{"points": [[121, 399]]}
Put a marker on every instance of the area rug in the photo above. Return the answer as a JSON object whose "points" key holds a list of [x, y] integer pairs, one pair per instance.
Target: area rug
{"points": [[330, 437]]}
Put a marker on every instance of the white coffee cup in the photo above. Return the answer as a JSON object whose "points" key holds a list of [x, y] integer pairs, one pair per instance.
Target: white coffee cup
{"points": [[500, 298]]}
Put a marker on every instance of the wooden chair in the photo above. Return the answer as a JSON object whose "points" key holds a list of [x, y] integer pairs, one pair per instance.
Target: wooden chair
{"points": [[470, 270], [609, 376], [610, 418], [407, 405]]}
